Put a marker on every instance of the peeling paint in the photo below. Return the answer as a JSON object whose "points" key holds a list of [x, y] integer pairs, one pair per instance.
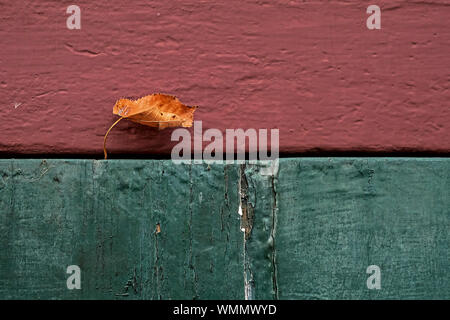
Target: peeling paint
{"points": [[245, 206]]}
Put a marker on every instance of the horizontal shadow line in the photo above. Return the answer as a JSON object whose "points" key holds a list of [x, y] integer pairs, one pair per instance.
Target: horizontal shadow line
{"points": [[313, 153]]}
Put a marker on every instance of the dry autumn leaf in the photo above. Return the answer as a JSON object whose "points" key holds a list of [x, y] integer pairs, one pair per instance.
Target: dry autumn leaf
{"points": [[156, 110]]}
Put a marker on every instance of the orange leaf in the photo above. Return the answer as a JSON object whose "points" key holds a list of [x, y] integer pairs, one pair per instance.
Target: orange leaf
{"points": [[156, 110]]}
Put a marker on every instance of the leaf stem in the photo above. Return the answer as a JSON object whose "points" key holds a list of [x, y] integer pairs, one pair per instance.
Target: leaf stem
{"points": [[106, 135]]}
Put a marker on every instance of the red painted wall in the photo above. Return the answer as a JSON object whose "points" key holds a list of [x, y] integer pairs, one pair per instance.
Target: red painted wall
{"points": [[310, 68]]}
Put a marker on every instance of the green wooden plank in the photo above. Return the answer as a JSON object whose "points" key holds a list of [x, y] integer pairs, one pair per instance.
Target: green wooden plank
{"points": [[102, 216], [312, 229], [338, 216], [259, 200]]}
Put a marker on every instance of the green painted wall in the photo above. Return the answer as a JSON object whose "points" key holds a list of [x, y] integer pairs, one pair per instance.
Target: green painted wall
{"points": [[312, 229]]}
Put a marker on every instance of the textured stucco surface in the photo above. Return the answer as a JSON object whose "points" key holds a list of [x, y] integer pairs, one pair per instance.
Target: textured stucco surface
{"points": [[310, 68]]}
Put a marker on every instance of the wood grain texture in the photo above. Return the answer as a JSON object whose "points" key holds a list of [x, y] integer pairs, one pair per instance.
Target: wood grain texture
{"points": [[316, 226], [102, 216], [310, 68], [335, 217], [260, 263]]}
